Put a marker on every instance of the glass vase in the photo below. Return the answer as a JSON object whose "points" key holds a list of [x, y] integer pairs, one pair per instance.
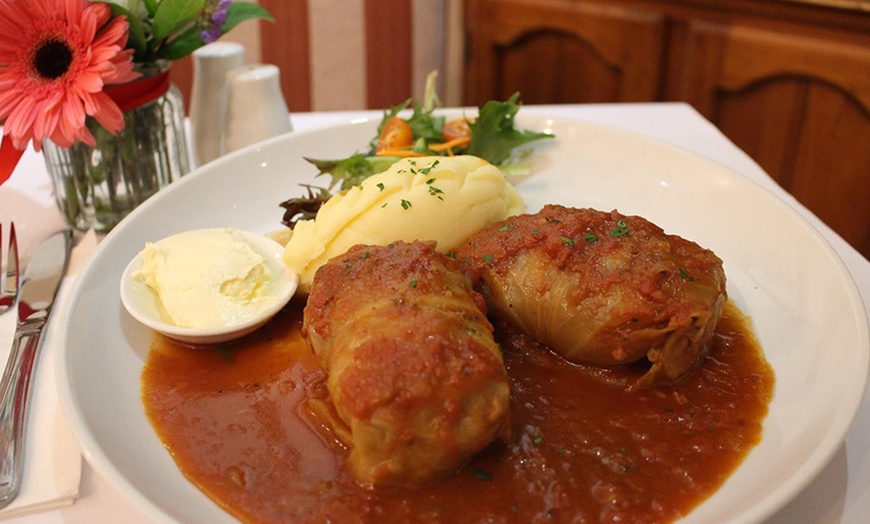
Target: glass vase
{"points": [[96, 187]]}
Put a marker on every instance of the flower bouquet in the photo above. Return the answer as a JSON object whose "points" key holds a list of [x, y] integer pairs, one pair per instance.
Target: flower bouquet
{"points": [[87, 82]]}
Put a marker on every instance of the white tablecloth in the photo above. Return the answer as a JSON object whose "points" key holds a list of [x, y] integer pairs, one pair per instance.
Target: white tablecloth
{"points": [[841, 493]]}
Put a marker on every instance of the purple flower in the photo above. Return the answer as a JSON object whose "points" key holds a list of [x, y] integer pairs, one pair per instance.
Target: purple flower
{"points": [[211, 34], [213, 17]]}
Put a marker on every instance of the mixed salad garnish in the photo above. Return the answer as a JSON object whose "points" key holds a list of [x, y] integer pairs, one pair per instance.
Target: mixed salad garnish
{"points": [[490, 135]]}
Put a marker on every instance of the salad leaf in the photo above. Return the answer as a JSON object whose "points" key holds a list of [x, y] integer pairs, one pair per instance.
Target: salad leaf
{"points": [[391, 112], [493, 135], [425, 125], [351, 171], [304, 208]]}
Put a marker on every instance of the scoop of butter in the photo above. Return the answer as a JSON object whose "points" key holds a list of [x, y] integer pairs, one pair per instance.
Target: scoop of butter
{"points": [[207, 278], [445, 199]]}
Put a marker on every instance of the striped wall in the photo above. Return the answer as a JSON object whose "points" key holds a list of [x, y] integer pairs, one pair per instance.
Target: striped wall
{"points": [[354, 54]]}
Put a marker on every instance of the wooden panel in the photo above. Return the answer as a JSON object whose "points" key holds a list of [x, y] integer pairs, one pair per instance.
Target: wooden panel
{"points": [[563, 51], [787, 81], [181, 75], [388, 52], [755, 53], [832, 168], [765, 122], [558, 72], [799, 106], [285, 44]]}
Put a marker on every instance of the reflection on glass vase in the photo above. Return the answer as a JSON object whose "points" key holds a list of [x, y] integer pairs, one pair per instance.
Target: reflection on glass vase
{"points": [[96, 187]]}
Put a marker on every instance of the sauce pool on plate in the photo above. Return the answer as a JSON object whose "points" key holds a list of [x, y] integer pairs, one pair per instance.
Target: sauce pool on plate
{"points": [[244, 423]]}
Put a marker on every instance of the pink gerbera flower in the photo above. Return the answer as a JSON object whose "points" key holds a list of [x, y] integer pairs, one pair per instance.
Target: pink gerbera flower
{"points": [[55, 58]]}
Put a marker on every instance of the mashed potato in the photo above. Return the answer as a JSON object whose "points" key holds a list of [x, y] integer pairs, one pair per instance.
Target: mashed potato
{"points": [[445, 199]]}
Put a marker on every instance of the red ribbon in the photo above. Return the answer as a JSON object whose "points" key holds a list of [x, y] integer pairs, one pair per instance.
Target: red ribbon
{"points": [[128, 96], [134, 94], [9, 157]]}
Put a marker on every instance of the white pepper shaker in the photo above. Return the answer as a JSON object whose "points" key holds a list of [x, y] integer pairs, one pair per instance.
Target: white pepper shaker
{"points": [[208, 97], [256, 109]]}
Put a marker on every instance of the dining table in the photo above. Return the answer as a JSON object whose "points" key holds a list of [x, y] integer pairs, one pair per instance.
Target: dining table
{"points": [[839, 493]]}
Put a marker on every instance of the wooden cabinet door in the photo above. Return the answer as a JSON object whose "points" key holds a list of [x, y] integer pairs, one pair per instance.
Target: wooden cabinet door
{"points": [[798, 104], [562, 51]]}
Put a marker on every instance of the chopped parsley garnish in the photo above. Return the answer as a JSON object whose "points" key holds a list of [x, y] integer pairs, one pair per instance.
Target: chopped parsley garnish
{"points": [[434, 191], [426, 169], [405, 204], [482, 474], [590, 237], [225, 352], [380, 185], [567, 241], [620, 229], [684, 275]]}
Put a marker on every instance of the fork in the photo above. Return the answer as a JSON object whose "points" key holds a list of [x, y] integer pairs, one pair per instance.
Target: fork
{"points": [[9, 284]]}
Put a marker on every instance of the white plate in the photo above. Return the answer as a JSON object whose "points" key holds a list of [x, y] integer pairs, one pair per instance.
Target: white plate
{"points": [[805, 308]]}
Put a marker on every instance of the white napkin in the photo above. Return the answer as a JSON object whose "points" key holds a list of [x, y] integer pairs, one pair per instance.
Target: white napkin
{"points": [[52, 459]]}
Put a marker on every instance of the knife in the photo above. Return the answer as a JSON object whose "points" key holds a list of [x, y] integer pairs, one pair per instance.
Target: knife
{"points": [[38, 290]]}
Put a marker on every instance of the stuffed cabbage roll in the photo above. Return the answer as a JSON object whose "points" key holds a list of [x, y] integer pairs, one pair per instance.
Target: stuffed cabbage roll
{"points": [[601, 288], [412, 367]]}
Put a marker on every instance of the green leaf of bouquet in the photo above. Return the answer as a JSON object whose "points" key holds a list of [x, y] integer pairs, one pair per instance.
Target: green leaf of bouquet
{"points": [[182, 45], [151, 6], [173, 15], [238, 12]]}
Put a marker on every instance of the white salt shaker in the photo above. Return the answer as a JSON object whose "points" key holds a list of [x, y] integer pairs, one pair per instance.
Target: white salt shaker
{"points": [[208, 97], [256, 109]]}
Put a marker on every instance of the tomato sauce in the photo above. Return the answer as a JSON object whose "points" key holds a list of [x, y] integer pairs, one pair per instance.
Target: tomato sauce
{"points": [[241, 422]]}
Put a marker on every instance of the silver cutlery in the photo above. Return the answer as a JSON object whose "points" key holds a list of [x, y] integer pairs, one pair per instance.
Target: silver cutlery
{"points": [[39, 286], [9, 282]]}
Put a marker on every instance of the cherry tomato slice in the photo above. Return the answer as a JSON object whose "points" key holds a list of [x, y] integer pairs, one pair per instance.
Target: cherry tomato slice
{"points": [[456, 128], [395, 134]]}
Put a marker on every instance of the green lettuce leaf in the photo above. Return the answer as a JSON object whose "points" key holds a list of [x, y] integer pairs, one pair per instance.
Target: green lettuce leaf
{"points": [[493, 138], [493, 135], [351, 171]]}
